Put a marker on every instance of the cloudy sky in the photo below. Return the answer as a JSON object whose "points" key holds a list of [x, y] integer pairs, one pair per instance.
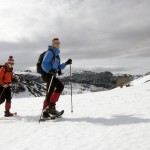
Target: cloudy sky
{"points": [[99, 35]]}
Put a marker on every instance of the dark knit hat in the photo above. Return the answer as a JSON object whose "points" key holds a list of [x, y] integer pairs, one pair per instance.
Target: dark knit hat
{"points": [[10, 60]]}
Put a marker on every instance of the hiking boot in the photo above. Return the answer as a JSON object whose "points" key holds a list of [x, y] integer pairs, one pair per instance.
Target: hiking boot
{"points": [[52, 109], [7, 113], [45, 113]]}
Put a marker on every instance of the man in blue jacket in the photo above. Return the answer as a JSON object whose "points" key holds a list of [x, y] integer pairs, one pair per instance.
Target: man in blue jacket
{"points": [[51, 66]]}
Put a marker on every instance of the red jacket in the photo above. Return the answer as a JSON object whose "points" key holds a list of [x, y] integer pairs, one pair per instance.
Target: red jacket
{"points": [[6, 74]]}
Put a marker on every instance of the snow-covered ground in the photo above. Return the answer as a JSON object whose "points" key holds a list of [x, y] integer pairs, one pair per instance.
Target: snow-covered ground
{"points": [[110, 120]]}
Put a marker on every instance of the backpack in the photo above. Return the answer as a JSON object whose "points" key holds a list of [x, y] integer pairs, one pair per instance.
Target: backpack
{"points": [[38, 65]]}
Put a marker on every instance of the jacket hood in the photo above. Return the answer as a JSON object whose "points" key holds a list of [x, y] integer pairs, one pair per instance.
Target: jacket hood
{"points": [[55, 50]]}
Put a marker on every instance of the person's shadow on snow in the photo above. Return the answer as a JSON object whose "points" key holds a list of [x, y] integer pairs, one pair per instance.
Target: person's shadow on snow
{"points": [[114, 120]]}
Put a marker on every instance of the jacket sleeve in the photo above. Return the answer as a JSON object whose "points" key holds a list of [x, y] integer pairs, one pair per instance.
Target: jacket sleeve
{"points": [[2, 73], [62, 66], [47, 60]]}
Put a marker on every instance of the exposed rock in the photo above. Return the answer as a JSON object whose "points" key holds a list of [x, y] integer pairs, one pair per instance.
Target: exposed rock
{"points": [[123, 80], [83, 81], [104, 79], [148, 73]]}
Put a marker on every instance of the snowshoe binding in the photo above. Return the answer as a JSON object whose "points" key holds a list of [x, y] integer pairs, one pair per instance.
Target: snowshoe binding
{"points": [[45, 113]]}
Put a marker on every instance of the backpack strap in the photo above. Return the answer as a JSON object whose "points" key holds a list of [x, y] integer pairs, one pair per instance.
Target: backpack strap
{"points": [[54, 58], [53, 54], [3, 66], [58, 58]]}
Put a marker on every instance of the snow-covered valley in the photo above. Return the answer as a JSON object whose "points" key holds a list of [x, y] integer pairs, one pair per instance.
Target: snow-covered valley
{"points": [[117, 119]]}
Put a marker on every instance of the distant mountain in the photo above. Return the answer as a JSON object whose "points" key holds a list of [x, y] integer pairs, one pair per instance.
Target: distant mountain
{"points": [[32, 85]]}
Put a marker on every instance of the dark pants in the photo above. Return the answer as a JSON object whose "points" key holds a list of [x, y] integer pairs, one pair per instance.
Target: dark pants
{"points": [[56, 85], [6, 95]]}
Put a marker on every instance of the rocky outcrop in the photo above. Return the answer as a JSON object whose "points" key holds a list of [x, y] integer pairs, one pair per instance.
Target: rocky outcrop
{"points": [[82, 81], [103, 79], [31, 84], [123, 80]]}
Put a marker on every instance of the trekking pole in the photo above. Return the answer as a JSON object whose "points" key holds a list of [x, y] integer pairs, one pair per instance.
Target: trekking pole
{"points": [[47, 93], [71, 90]]}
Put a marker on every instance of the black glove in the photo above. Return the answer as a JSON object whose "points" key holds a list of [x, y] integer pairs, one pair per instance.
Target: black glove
{"points": [[68, 62], [53, 71], [59, 72]]}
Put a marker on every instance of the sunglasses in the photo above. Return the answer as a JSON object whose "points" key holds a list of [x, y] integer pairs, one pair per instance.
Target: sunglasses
{"points": [[57, 43]]}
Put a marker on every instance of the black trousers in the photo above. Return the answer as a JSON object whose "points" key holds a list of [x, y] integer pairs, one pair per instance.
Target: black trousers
{"points": [[6, 95], [56, 85]]}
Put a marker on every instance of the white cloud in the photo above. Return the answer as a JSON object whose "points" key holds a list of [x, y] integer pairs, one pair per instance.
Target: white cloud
{"points": [[26, 19], [99, 29]]}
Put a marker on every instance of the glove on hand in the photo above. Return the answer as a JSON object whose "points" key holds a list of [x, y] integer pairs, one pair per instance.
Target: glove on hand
{"points": [[59, 72], [53, 71], [68, 62]]}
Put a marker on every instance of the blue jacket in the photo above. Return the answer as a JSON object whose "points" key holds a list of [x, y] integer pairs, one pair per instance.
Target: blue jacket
{"points": [[49, 62]]}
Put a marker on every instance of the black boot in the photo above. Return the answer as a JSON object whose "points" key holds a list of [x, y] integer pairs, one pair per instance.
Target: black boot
{"points": [[7, 113], [46, 113], [52, 109]]}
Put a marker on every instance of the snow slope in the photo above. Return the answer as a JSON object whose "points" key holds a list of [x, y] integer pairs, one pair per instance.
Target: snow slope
{"points": [[111, 120]]}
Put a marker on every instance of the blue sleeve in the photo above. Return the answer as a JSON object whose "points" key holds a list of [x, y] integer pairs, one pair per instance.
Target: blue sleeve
{"points": [[62, 66], [47, 60]]}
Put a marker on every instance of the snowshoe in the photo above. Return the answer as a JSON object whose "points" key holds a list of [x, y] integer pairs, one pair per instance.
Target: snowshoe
{"points": [[59, 114], [7, 113], [53, 117], [53, 112], [52, 109]]}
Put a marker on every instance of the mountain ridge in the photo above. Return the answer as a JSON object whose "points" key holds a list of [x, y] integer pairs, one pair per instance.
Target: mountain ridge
{"points": [[31, 84]]}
